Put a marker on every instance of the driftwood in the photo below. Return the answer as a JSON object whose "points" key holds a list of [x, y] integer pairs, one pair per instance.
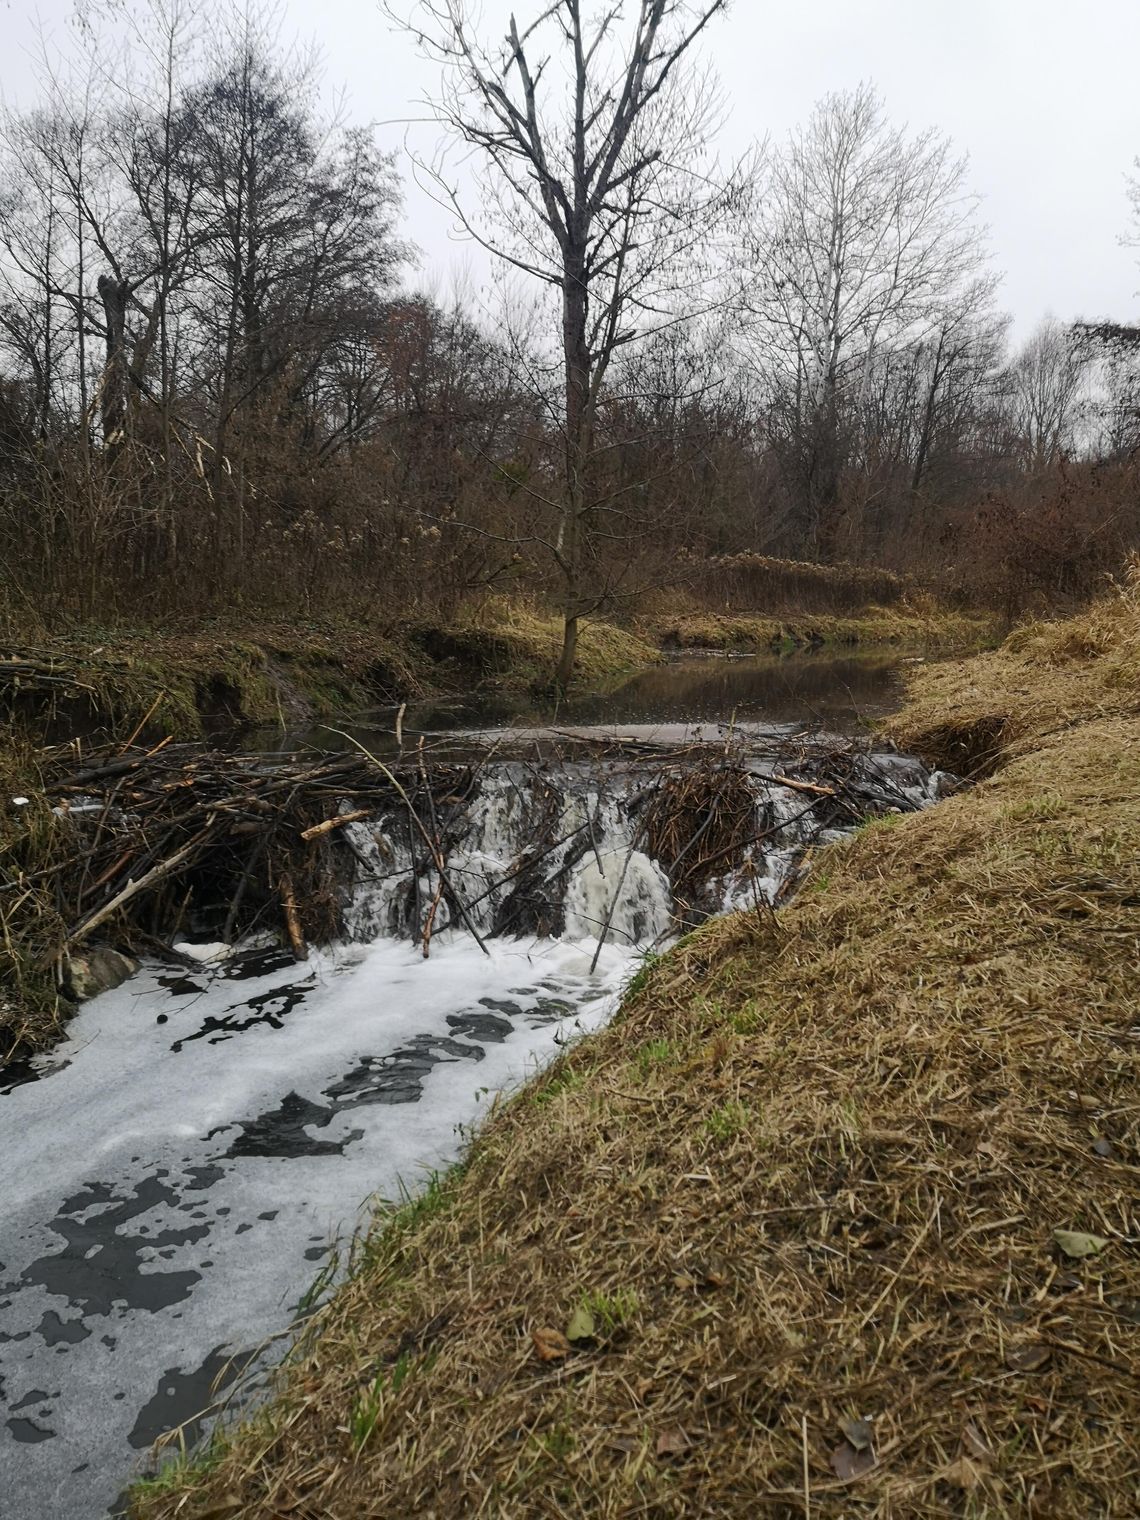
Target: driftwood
{"points": [[292, 919]]}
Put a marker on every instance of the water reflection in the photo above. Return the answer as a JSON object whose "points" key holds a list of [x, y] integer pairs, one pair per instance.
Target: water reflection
{"points": [[813, 691]]}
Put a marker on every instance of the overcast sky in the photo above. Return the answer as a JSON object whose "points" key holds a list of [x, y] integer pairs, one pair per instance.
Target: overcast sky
{"points": [[1040, 93]]}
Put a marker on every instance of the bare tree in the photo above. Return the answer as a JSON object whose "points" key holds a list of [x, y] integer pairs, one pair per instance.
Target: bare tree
{"points": [[1046, 393], [864, 239], [593, 136]]}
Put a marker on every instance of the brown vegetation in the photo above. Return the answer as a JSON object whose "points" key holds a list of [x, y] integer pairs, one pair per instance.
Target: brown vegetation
{"points": [[214, 403], [838, 1218]]}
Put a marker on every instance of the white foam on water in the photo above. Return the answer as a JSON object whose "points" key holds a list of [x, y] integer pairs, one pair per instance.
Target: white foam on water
{"points": [[170, 1192], [124, 1125]]}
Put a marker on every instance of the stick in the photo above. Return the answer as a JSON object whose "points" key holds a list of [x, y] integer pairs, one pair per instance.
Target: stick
{"points": [[804, 786], [807, 1474], [320, 829], [142, 723], [292, 922], [132, 888]]}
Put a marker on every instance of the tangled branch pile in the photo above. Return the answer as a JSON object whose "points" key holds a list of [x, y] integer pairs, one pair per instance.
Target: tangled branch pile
{"points": [[138, 844]]}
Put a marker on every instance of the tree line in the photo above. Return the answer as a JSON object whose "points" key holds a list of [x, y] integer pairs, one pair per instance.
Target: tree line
{"points": [[219, 381]]}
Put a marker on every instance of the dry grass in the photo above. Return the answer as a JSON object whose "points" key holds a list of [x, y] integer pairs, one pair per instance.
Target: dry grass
{"points": [[685, 625], [810, 1176], [1046, 676], [758, 581], [513, 643], [108, 680]]}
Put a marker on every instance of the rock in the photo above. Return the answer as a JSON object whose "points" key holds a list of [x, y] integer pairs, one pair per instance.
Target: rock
{"points": [[85, 976]]}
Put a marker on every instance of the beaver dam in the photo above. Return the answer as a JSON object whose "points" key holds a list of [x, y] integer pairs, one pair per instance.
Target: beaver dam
{"points": [[343, 961]]}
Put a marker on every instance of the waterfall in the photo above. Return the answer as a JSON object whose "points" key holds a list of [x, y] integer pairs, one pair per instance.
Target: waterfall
{"points": [[565, 855]]}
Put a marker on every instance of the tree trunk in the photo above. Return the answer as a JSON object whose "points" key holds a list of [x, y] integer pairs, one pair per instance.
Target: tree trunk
{"points": [[566, 659], [579, 435], [113, 396]]}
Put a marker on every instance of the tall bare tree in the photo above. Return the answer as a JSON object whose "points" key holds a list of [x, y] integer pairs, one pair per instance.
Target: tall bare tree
{"points": [[594, 137], [864, 240], [1046, 393]]}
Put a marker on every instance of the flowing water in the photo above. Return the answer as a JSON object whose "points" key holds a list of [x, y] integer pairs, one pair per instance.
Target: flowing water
{"points": [[177, 1174]]}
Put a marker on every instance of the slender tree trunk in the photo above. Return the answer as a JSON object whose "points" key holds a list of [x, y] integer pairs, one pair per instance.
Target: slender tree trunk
{"points": [[579, 434]]}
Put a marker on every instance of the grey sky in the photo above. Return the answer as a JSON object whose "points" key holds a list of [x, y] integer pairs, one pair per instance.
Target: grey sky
{"points": [[1040, 93]]}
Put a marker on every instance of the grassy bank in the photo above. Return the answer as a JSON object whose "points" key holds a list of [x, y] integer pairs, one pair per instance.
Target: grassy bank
{"points": [[176, 683], [838, 1218], [929, 627]]}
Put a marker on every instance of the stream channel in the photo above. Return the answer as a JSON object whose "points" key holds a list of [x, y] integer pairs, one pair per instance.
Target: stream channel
{"points": [[204, 1142]]}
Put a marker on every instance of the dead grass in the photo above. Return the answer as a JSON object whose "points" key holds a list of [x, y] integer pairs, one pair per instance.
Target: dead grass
{"points": [[109, 680], [819, 1162], [1047, 676], [512, 643], [758, 581], [687, 626]]}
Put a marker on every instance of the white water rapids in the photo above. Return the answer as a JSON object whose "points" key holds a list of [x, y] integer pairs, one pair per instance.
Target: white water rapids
{"points": [[174, 1181]]}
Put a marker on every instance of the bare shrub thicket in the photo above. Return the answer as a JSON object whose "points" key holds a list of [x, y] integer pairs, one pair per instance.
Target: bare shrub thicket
{"points": [[220, 394]]}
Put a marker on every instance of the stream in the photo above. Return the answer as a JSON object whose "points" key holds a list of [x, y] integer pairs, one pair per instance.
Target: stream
{"points": [[193, 1156]]}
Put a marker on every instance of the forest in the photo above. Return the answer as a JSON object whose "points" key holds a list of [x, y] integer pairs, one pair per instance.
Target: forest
{"points": [[227, 379]]}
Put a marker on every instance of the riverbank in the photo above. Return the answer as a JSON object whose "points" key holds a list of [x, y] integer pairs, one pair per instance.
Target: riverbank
{"points": [[184, 683], [837, 1216], [929, 627]]}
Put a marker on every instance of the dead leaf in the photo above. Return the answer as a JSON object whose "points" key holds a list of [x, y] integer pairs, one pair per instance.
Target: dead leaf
{"points": [[550, 1345], [964, 1474], [1027, 1358], [859, 1432], [848, 1463], [628, 1444], [581, 1326], [1076, 1243], [974, 1443], [698, 1275], [672, 1443]]}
